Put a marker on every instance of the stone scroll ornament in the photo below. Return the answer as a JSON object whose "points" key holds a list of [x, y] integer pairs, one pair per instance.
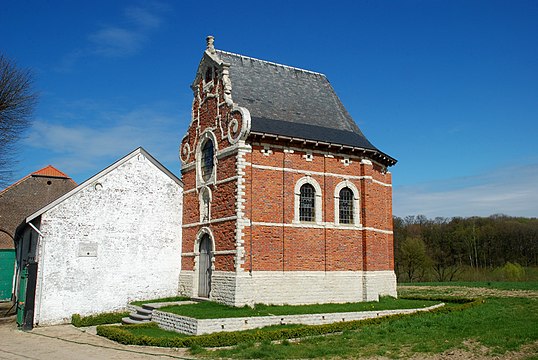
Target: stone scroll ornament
{"points": [[238, 124], [185, 151]]}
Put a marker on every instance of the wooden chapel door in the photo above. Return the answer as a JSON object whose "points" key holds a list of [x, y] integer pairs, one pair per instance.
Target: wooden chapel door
{"points": [[204, 266]]}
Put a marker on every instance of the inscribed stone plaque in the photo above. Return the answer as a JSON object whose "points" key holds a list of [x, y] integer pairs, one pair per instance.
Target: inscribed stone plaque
{"points": [[87, 249]]}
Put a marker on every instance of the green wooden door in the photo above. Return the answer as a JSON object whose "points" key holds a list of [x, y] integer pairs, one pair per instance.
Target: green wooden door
{"points": [[7, 268]]}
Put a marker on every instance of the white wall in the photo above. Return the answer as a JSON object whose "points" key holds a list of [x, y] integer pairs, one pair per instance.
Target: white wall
{"points": [[132, 218]]}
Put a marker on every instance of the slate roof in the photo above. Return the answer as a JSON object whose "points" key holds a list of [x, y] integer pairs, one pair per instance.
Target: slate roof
{"points": [[293, 102]]}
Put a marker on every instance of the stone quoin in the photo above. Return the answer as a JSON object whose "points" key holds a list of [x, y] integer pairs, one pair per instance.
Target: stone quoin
{"points": [[285, 200]]}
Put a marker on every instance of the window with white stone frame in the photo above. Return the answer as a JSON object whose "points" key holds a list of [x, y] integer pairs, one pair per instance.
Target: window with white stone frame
{"points": [[308, 199], [206, 159], [346, 204], [307, 203]]}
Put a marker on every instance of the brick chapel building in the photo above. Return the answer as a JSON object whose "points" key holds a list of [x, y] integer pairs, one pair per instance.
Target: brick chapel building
{"points": [[285, 200]]}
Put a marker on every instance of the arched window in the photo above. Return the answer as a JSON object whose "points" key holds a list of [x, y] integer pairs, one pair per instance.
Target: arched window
{"points": [[207, 161], [307, 203], [345, 206]]}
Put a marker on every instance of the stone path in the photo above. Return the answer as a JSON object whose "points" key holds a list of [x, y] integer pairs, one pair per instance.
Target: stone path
{"points": [[64, 342]]}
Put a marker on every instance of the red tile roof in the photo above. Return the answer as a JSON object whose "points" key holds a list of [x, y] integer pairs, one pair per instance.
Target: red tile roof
{"points": [[50, 171], [47, 171]]}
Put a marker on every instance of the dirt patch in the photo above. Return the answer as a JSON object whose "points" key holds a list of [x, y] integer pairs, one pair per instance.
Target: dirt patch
{"points": [[464, 291], [473, 351], [476, 351]]}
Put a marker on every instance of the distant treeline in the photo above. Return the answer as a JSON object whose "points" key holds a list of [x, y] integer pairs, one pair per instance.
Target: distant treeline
{"points": [[441, 249]]}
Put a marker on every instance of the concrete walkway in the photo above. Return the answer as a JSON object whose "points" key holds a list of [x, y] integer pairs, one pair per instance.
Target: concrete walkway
{"points": [[64, 342]]}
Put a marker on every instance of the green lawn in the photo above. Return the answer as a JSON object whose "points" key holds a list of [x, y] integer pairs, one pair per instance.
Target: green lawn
{"points": [[500, 324], [211, 310], [506, 321]]}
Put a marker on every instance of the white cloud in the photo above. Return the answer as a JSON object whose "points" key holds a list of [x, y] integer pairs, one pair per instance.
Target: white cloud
{"points": [[143, 17], [125, 38], [510, 190], [114, 41], [82, 151]]}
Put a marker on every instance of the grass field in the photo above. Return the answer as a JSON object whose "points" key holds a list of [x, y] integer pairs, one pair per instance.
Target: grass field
{"points": [[502, 285], [211, 310], [502, 326]]}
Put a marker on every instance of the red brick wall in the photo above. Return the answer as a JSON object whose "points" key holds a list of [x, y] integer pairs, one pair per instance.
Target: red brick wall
{"points": [[270, 199], [210, 111]]}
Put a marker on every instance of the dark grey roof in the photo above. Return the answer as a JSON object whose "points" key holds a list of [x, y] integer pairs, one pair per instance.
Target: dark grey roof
{"points": [[287, 101]]}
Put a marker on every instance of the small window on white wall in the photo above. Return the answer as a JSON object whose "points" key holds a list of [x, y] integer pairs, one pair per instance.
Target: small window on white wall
{"points": [[346, 204], [308, 201]]}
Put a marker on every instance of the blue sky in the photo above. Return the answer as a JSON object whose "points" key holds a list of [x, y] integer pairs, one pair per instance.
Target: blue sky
{"points": [[449, 88]]}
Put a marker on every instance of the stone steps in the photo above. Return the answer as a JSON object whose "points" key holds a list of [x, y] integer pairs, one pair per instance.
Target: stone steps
{"points": [[140, 316], [143, 314]]}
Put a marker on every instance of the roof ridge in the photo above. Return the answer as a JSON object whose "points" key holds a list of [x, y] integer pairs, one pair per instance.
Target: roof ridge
{"points": [[50, 171], [271, 63], [88, 182], [41, 172]]}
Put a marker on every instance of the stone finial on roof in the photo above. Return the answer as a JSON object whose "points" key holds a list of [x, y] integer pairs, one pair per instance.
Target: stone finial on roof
{"points": [[210, 47]]}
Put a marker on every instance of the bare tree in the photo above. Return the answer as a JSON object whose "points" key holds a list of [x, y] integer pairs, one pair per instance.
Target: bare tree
{"points": [[17, 102]]}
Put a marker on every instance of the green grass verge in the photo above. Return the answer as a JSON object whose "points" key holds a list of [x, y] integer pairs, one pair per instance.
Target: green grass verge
{"points": [[132, 334], [211, 310], [500, 324], [500, 285], [98, 319], [166, 299]]}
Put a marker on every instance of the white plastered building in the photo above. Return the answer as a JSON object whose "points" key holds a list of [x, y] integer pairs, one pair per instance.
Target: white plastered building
{"points": [[113, 239]]}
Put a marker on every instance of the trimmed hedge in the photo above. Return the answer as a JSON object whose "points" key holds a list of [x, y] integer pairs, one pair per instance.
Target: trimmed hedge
{"points": [[98, 319], [123, 336]]}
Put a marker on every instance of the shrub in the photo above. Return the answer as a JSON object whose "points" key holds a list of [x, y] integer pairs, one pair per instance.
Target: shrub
{"points": [[512, 272], [98, 319]]}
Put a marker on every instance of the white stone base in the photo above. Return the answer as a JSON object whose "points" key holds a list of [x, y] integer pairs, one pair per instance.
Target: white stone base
{"points": [[294, 287], [186, 283], [186, 325]]}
